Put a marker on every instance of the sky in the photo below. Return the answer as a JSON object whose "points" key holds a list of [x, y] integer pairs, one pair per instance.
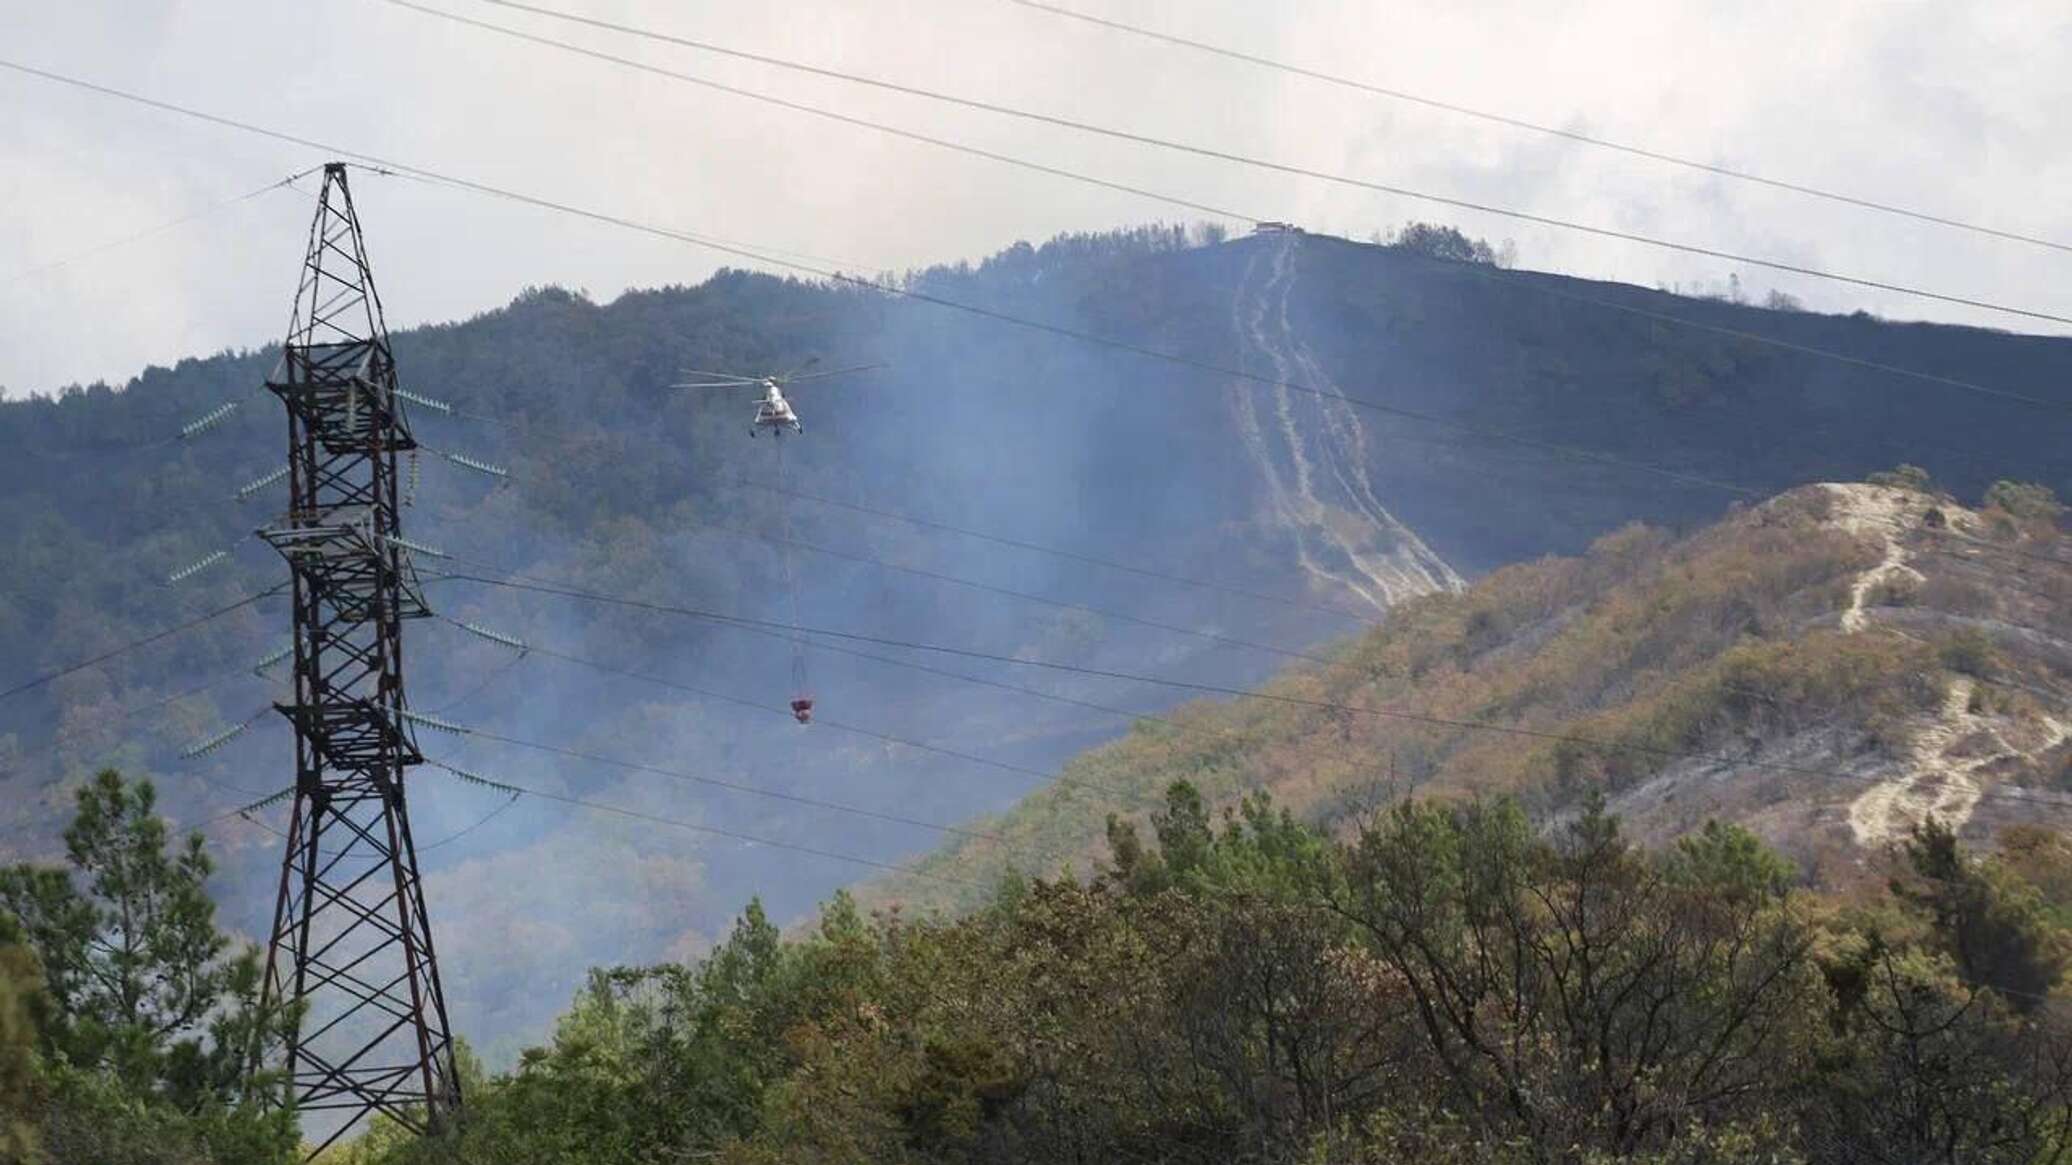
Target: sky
{"points": [[1957, 110]]}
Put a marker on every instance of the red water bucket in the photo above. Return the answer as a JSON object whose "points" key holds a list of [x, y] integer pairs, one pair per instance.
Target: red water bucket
{"points": [[802, 709]]}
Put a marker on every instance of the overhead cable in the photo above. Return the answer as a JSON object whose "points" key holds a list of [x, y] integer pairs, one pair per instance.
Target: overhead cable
{"points": [[716, 831], [139, 236], [1193, 204], [1024, 596], [1254, 162], [1401, 714], [887, 738], [1713, 168], [1113, 343], [714, 782], [1070, 555], [135, 644]]}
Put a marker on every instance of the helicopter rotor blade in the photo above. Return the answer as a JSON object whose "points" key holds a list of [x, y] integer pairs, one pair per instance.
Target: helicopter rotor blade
{"points": [[729, 376], [810, 362], [719, 384], [837, 372]]}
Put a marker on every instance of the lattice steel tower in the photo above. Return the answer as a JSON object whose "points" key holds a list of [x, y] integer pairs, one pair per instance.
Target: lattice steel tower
{"points": [[351, 942]]}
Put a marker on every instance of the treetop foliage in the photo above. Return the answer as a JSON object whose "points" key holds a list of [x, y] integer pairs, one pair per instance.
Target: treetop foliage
{"points": [[127, 1019], [1450, 982]]}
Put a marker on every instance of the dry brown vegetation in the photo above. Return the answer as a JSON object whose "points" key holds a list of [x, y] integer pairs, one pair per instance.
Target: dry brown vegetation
{"points": [[1639, 666]]}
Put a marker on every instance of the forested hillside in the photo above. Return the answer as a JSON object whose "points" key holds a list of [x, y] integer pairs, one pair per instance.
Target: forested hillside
{"points": [[1332, 511]]}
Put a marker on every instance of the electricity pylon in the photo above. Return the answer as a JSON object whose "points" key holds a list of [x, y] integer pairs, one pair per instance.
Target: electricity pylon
{"points": [[350, 955]]}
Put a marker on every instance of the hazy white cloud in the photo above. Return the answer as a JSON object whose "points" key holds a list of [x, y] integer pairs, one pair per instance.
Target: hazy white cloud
{"points": [[1960, 110]]}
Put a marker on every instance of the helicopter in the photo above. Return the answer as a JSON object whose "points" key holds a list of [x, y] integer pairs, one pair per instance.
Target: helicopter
{"points": [[773, 412]]}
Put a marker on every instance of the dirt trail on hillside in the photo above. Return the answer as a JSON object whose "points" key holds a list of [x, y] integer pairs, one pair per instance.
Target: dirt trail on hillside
{"points": [[1939, 783], [1939, 774], [1312, 453], [1870, 509], [1934, 784]]}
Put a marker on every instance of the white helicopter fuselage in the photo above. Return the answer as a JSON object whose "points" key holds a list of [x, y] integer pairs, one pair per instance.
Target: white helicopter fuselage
{"points": [[773, 412]]}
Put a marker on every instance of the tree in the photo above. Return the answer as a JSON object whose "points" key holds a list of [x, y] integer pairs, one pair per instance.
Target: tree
{"points": [[1990, 921], [1462, 985], [1730, 861], [1443, 242], [2024, 499], [19, 990], [150, 1013], [1576, 991], [1925, 1068], [1906, 477]]}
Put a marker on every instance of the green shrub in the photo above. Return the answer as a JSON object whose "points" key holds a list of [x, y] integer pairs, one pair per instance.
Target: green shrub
{"points": [[1909, 477], [2026, 500], [1967, 653]]}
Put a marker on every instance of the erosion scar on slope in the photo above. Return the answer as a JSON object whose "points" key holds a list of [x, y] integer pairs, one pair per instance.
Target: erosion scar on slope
{"points": [[1312, 453], [1938, 776]]}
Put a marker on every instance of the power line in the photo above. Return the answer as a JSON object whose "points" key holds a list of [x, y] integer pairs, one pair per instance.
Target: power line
{"points": [[1024, 596], [1255, 162], [1176, 200], [479, 822], [1069, 555], [1122, 713], [1039, 774], [716, 831], [705, 242], [971, 679], [246, 811], [480, 686], [1531, 283], [135, 644], [391, 169], [716, 782], [763, 627], [808, 256], [1214, 689], [890, 661], [216, 207], [58, 743], [1093, 339], [1191, 204], [1005, 686], [830, 114], [820, 721], [261, 803], [1058, 778], [1738, 175], [680, 236]]}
